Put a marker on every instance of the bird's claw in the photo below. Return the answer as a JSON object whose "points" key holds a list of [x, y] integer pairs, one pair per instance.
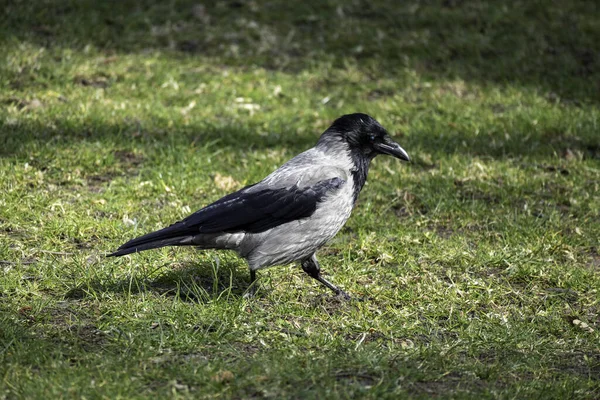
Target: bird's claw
{"points": [[250, 292], [343, 295]]}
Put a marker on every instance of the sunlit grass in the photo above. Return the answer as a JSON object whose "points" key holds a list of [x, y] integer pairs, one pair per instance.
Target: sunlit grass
{"points": [[477, 264]]}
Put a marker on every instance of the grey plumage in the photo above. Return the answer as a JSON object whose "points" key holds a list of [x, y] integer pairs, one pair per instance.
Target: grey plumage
{"points": [[292, 212]]}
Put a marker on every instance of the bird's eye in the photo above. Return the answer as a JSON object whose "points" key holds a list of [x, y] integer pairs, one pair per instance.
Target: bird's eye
{"points": [[372, 137]]}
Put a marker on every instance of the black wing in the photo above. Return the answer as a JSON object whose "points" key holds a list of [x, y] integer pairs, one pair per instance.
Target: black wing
{"points": [[247, 210]]}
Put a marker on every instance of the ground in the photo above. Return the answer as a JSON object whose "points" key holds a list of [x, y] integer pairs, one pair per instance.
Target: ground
{"points": [[475, 269]]}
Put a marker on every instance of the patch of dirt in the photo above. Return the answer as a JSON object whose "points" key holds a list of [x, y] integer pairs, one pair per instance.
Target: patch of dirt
{"points": [[95, 183], [475, 194], [594, 259], [380, 93], [97, 81], [75, 293], [69, 321], [331, 303], [586, 365], [367, 337], [363, 379], [128, 158], [553, 189], [573, 148], [89, 334], [27, 314], [80, 244], [99, 179], [553, 168], [410, 205], [248, 349], [449, 383], [442, 231]]}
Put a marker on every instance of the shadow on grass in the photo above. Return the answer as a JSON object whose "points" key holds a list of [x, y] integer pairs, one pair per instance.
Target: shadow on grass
{"points": [[553, 47], [197, 283], [234, 140], [64, 134]]}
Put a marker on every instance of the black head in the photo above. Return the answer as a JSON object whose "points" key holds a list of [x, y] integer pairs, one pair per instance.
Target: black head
{"points": [[364, 137]]}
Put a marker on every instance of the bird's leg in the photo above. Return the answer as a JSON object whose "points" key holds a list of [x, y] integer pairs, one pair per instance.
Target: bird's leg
{"points": [[252, 288], [312, 268]]}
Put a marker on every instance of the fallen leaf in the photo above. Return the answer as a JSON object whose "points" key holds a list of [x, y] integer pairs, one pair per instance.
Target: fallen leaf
{"points": [[225, 182], [583, 325], [222, 376], [128, 221]]}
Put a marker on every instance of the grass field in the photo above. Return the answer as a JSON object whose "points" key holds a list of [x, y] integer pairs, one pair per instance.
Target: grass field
{"points": [[478, 264]]}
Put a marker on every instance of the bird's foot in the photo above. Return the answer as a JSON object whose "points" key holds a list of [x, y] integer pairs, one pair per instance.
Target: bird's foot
{"points": [[250, 292], [343, 295]]}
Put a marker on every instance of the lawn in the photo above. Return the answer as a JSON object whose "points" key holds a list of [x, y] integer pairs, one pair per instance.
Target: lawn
{"points": [[475, 269]]}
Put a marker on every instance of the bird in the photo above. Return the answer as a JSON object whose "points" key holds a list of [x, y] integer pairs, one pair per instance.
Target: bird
{"points": [[291, 213]]}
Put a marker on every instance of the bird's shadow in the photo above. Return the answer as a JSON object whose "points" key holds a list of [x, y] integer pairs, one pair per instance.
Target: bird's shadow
{"points": [[187, 281]]}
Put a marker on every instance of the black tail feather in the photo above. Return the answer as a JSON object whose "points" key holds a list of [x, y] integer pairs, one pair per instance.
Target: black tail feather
{"points": [[136, 245]]}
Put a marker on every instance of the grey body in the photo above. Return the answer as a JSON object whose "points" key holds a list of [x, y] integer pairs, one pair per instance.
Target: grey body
{"points": [[292, 212], [299, 239]]}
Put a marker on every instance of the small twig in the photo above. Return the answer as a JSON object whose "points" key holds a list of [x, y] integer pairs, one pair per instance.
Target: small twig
{"points": [[56, 253], [362, 339]]}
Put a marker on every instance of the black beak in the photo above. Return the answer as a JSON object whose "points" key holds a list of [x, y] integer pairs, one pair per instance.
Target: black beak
{"points": [[388, 146]]}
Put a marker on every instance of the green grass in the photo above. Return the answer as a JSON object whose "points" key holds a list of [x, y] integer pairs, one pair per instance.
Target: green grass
{"points": [[479, 263]]}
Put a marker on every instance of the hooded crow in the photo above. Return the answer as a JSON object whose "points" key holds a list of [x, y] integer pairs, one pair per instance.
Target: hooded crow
{"points": [[292, 212]]}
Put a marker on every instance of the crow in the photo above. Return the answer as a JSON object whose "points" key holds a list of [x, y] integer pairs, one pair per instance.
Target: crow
{"points": [[292, 212]]}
